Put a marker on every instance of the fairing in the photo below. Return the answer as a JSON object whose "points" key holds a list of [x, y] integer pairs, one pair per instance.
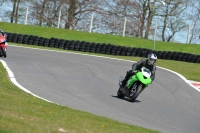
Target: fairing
{"points": [[139, 76]]}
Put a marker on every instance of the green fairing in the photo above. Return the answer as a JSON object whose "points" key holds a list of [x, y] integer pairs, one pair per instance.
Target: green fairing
{"points": [[139, 76]]}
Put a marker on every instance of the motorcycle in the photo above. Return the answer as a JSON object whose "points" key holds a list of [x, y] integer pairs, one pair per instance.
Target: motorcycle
{"points": [[135, 84], [3, 46]]}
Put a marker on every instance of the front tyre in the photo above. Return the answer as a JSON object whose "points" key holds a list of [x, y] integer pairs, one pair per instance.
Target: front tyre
{"points": [[3, 52], [134, 93]]}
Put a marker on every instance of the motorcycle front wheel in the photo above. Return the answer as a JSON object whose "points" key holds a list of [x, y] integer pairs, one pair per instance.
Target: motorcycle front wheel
{"points": [[134, 93]]}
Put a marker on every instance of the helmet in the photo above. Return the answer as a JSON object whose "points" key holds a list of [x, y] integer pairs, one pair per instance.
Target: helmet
{"points": [[152, 58]]}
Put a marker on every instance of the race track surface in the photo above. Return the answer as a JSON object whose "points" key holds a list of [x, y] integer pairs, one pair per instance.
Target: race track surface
{"points": [[90, 84]]}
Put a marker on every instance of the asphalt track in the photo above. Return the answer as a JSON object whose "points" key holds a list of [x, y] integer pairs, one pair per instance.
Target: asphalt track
{"points": [[90, 84]]}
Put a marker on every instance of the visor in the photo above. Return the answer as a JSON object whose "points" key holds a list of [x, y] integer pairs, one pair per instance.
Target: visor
{"points": [[152, 60]]}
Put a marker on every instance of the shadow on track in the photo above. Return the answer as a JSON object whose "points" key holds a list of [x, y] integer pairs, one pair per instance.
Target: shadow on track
{"points": [[136, 101]]}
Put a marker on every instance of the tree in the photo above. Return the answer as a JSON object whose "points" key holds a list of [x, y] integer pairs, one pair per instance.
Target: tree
{"points": [[195, 21], [71, 12], [1, 2], [13, 11], [173, 21]]}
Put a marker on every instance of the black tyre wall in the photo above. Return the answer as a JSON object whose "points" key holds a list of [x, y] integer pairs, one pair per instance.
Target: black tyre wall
{"points": [[9, 37], [41, 41], [25, 39], [169, 54], [82, 46], [14, 38], [159, 54], [134, 51], [109, 48], [46, 42], [103, 48], [20, 38], [30, 40], [36, 40], [197, 60], [139, 51], [77, 45], [174, 56], [93, 47], [56, 43], [123, 51], [118, 50], [179, 56], [98, 48], [87, 47], [72, 44], [113, 50]]}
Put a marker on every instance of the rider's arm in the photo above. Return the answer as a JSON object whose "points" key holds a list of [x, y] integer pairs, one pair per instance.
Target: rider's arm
{"points": [[153, 73], [138, 65]]}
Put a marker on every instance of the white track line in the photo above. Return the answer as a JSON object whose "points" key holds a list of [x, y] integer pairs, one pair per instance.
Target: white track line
{"points": [[14, 81]]}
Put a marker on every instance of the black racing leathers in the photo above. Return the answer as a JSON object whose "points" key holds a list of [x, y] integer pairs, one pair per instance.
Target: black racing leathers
{"points": [[138, 66]]}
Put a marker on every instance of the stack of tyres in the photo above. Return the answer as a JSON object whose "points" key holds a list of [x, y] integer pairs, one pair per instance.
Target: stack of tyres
{"points": [[103, 48], [25, 39], [98, 48], [77, 45], [61, 44], [82, 46], [93, 47], [20, 38], [41, 41]]}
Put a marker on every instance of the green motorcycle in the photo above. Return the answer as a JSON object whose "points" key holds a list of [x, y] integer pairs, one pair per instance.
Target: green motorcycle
{"points": [[135, 85]]}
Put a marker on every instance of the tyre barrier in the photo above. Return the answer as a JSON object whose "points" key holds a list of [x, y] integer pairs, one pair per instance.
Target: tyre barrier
{"points": [[103, 48]]}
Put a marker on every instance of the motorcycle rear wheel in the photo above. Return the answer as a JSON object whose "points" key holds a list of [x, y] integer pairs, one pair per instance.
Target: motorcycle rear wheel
{"points": [[133, 94]]}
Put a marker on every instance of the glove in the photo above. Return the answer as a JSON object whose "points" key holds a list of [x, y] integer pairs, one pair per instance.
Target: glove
{"points": [[135, 71]]}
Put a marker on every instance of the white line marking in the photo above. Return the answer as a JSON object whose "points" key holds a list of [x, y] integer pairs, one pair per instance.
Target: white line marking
{"points": [[14, 81]]}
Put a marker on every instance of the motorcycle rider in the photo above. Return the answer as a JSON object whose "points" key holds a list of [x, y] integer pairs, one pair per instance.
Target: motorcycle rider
{"points": [[148, 63], [2, 33]]}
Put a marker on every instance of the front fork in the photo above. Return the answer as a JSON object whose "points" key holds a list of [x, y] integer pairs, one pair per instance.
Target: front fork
{"points": [[134, 88]]}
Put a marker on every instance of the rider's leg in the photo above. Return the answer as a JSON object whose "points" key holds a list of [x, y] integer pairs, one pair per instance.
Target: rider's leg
{"points": [[128, 75]]}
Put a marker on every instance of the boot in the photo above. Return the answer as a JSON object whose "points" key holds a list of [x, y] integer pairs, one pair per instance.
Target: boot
{"points": [[128, 75], [126, 91]]}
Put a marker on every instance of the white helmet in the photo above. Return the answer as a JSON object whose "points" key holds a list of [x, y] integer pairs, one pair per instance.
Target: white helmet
{"points": [[152, 58]]}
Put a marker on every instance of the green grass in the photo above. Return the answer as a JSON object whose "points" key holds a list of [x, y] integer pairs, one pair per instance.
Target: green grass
{"points": [[99, 38], [23, 113]]}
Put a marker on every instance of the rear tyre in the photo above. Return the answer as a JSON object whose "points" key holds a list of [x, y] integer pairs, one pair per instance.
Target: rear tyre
{"points": [[3, 52], [120, 93], [134, 93]]}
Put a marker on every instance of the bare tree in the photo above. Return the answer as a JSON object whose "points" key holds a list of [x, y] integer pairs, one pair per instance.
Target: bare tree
{"points": [[195, 21], [71, 12], [13, 11], [172, 17], [17, 10], [1, 2]]}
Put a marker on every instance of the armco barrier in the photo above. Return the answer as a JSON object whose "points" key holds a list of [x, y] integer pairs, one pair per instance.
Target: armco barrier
{"points": [[110, 49]]}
